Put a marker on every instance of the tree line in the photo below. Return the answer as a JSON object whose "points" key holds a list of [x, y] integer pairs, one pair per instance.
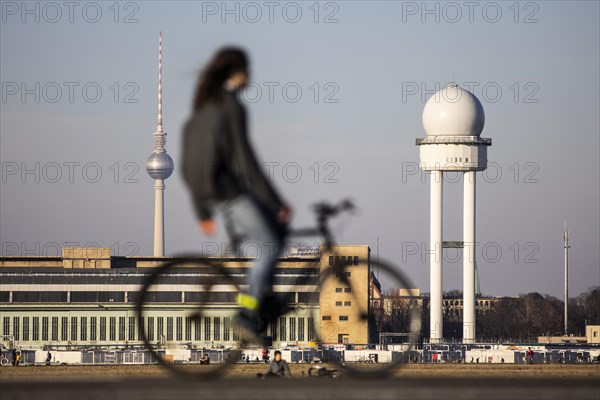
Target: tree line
{"points": [[508, 319]]}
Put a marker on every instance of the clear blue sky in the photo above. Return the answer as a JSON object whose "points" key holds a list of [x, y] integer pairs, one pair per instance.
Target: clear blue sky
{"points": [[534, 66]]}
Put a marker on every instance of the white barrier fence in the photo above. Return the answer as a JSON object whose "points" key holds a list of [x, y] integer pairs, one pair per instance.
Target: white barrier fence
{"points": [[310, 355]]}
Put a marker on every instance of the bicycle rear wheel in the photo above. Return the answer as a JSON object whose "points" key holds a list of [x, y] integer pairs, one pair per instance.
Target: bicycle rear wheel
{"points": [[185, 313], [368, 331]]}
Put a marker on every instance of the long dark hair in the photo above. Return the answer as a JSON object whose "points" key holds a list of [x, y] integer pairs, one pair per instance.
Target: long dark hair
{"points": [[224, 63]]}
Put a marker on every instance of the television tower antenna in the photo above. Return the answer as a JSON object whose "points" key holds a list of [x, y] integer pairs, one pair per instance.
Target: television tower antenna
{"points": [[566, 235], [159, 166]]}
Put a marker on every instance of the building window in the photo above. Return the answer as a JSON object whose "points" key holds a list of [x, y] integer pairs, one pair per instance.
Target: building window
{"points": [[113, 329], [188, 328], [206, 328], [55, 329], [311, 328], [326, 318], [217, 328], [338, 290], [282, 329], [140, 327], [226, 329], [273, 330], [160, 326], [150, 329], [292, 328], [44, 329], [36, 328], [355, 260], [343, 318], [169, 328], [338, 303], [16, 326], [347, 290], [330, 260], [64, 329], [102, 329], [93, 329], [301, 329], [179, 329], [83, 333], [467, 159], [74, 329], [122, 328], [25, 329], [197, 329], [131, 329], [6, 326], [347, 303]]}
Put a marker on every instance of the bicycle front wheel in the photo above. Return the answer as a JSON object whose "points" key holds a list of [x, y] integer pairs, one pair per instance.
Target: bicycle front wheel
{"points": [[368, 330], [185, 317]]}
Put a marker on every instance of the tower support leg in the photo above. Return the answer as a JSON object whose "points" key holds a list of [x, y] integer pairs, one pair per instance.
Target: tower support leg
{"points": [[469, 257], [435, 253]]}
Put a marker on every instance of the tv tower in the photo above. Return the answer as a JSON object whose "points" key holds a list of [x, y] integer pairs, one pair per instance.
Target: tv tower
{"points": [[566, 236], [453, 119], [159, 167]]}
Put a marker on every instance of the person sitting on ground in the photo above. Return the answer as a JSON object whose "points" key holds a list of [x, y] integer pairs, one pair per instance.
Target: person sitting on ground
{"points": [[204, 360], [278, 368]]}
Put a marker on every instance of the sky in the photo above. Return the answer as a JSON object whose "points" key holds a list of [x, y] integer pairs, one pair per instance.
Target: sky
{"points": [[335, 105]]}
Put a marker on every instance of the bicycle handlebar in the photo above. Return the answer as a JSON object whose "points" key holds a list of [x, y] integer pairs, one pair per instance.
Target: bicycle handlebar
{"points": [[324, 211]]}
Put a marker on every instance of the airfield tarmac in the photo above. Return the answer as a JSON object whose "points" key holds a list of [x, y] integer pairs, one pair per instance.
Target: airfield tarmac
{"points": [[420, 381]]}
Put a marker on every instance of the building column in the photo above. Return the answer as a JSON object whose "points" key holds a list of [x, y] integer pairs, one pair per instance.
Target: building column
{"points": [[436, 253], [469, 257], [159, 234]]}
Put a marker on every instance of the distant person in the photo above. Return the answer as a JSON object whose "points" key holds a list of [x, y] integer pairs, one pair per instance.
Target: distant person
{"points": [[14, 357], [223, 174], [18, 359], [278, 368], [530, 356], [265, 355], [48, 358]]}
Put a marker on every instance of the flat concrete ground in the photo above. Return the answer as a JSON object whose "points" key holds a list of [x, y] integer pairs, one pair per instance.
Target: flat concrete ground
{"points": [[412, 382]]}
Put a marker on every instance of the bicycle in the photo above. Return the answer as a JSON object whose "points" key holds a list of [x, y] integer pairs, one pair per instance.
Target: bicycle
{"points": [[370, 311], [4, 361]]}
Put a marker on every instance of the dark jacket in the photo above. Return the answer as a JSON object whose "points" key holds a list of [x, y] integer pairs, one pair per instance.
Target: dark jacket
{"points": [[280, 368], [218, 162]]}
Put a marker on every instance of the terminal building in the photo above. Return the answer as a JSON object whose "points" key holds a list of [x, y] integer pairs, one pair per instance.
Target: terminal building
{"points": [[86, 298]]}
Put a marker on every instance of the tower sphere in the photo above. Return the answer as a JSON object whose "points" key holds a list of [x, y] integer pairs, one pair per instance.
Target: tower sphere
{"points": [[453, 111], [159, 165]]}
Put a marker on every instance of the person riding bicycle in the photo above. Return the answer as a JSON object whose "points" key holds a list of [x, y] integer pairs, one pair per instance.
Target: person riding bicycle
{"points": [[223, 174]]}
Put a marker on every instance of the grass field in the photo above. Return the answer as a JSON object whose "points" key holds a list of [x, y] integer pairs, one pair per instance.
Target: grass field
{"points": [[509, 371]]}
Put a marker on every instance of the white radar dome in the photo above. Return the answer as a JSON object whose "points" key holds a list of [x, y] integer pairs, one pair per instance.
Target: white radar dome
{"points": [[453, 111]]}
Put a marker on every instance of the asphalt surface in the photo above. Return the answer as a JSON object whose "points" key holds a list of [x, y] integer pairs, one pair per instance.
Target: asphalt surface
{"points": [[305, 389]]}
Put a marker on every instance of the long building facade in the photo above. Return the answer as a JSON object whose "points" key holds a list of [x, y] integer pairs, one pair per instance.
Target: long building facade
{"points": [[87, 298]]}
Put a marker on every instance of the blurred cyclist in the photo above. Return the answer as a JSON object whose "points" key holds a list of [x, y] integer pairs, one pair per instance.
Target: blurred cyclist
{"points": [[223, 174]]}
